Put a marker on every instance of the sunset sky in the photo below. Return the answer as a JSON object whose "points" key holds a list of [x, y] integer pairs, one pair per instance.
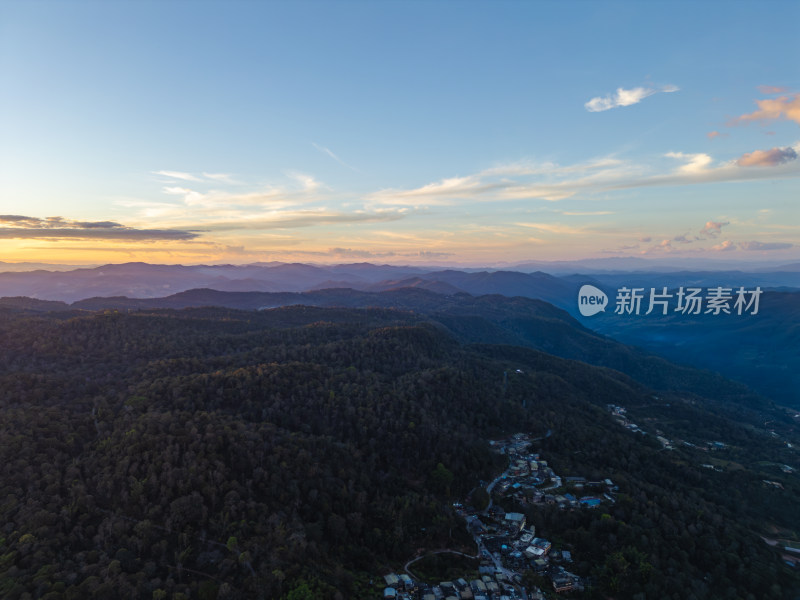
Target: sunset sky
{"points": [[479, 133]]}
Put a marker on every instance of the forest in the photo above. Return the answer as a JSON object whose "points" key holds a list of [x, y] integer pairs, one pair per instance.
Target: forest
{"points": [[297, 452]]}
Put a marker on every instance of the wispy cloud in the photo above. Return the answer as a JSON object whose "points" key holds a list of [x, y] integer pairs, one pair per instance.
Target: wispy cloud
{"points": [[355, 253], [307, 182], [428, 254], [767, 158], [221, 177], [715, 134], [24, 227], [593, 213], [439, 192], [301, 218], [204, 177], [765, 246], [178, 175], [772, 89], [623, 97], [553, 228], [330, 153], [553, 182]]}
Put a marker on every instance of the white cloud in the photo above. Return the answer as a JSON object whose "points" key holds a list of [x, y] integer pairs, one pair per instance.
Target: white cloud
{"points": [[308, 183], [554, 182], [440, 192], [178, 175], [695, 163], [221, 177], [330, 153], [623, 97]]}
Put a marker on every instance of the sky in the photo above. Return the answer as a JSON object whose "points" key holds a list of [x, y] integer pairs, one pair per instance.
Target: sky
{"points": [[440, 132]]}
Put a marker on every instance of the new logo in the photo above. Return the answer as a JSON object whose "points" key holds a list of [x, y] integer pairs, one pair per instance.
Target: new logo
{"points": [[591, 300]]}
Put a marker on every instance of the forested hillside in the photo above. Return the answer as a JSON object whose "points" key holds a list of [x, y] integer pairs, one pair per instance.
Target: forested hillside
{"points": [[493, 319], [217, 453]]}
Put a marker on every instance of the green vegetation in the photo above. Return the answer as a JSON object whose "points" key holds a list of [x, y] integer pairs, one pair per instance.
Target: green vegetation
{"points": [[445, 566], [215, 453]]}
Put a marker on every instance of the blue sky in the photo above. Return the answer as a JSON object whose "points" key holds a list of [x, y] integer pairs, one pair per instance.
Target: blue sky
{"points": [[402, 132]]}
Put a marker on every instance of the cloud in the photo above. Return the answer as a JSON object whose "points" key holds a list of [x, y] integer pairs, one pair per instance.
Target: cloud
{"points": [[440, 192], [713, 228], [300, 189], [784, 107], [307, 182], [772, 89], [553, 182], [302, 218], [623, 97], [516, 181], [575, 213], [682, 239], [23, 222], [752, 246], [330, 153], [222, 177], [21, 227], [646, 239], [351, 253], [551, 168], [715, 134], [205, 178], [695, 163], [725, 246], [552, 228], [433, 254], [767, 158], [361, 254], [178, 175]]}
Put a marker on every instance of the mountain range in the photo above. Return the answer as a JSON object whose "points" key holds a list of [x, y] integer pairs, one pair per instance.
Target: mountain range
{"points": [[760, 350]]}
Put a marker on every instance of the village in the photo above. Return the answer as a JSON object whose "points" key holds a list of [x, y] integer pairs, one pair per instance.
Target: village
{"points": [[507, 546]]}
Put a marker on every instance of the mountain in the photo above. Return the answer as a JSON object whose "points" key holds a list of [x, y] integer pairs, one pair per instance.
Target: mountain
{"points": [[705, 279], [143, 280], [637, 264], [433, 285], [303, 452], [762, 350], [752, 358], [484, 319]]}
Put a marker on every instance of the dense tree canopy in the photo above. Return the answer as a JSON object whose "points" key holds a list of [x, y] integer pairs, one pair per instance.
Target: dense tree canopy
{"points": [[299, 452]]}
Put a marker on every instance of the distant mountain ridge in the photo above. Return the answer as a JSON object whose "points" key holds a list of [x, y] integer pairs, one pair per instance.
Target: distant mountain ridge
{"points": [[144, 280], [487, 319], [762, 351]]}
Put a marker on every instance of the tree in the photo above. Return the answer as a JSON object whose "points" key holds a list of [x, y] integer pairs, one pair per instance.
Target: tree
{"points": [[441, 479]]}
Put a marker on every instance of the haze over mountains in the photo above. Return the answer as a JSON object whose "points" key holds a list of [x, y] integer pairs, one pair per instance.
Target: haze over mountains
{"points": [[143, 280], [760, 350]]}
